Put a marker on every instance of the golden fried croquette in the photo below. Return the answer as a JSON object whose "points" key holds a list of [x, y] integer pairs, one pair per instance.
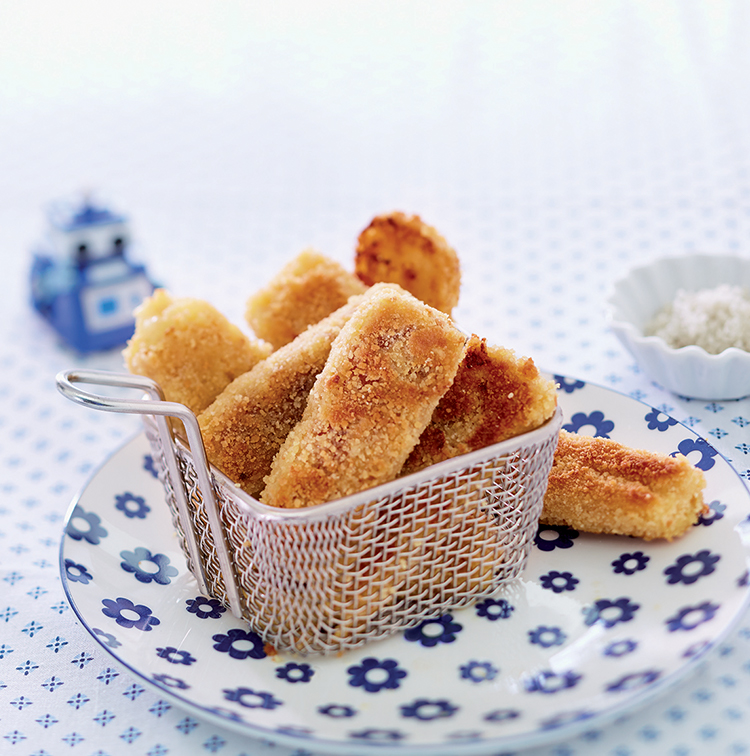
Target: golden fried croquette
{"points": [[494, 397], [399, 248], [306, 290], [598, 485], [189, 348], [388, 368], [244, 428]]}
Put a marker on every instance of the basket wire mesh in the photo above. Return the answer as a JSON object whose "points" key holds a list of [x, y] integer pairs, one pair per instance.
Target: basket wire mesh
{"points": [[334, 576]]}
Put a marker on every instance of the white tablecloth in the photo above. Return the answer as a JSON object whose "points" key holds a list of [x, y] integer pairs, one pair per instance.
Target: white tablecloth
{"points": [[553, 144]]}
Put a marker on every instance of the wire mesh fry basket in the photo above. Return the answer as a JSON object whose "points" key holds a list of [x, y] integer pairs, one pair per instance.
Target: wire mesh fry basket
{"points": [[333, 576]]}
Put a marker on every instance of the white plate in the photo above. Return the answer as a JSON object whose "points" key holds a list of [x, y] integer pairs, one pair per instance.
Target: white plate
{"points": [[596, 625]]}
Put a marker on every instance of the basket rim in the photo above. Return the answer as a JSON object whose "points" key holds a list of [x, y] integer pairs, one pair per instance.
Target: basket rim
{"points": [[251, 506]]}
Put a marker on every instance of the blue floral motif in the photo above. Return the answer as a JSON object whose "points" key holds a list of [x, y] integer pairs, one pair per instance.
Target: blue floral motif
{"points": [[565, 718], [149, 466], [220, 711], [659, 420], [696, 649], [133, 563], [557, 582], [93, 533], [682, 571], [433, 631], [240, 644], [115, 608], [171, 682], [689, 617], [132, 506], [502, 715], [630, 563], [562, 540], [337, 711], [624, 611], [108, 638], [707, 452], [426, 710], [478, 671], [77, 573], [494, 609], [252, 699], [620, 648], [546, 637], [205, 608], [373, 735], [374, 675], [602, 427], [715, 513], [549, 682], [633, 681], [568, 385], [294, 673], [175, 656]]}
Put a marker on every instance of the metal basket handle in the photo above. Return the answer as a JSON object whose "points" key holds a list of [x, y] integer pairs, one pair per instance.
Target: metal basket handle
{"points": [[157, 406]]}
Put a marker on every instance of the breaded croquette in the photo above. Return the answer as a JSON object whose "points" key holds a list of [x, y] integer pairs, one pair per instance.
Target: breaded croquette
{"points": [[402, 249], [189, 348], [244, 428], [306, 290], [598, 485], [494, 397], [387, 370]]}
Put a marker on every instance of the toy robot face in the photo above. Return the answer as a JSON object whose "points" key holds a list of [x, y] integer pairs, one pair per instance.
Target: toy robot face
{"points": [[85, 245]]}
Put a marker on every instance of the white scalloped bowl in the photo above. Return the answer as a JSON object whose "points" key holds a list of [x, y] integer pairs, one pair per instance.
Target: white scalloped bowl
{"points": [[689, 371]]}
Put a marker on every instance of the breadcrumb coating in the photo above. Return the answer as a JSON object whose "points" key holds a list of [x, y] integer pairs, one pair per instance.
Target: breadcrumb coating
{"points": [[388, 368], [306, 290], [244, 428], [495, 396], [402, 249], [189, 348], [598, 485]]}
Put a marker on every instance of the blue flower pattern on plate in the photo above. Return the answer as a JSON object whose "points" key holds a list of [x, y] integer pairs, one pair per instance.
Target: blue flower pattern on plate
{"points": [[689, 617], [659, 420], [294, 673], [252, 699], [379, 675], [131, 505], [701, 447], [546, 637], [175, 656], [610, 613], [77, 572], [568, 385], [551, 537], [684, 569], [205, 608], [127, 614], [374, 675], [433, 631], [159, 570], [494, 609], [478, 671], [715, 513], [85, 525], [557, 582], [426, 710], [630, 563], [549, 682], [240, 644], [601, 425]]}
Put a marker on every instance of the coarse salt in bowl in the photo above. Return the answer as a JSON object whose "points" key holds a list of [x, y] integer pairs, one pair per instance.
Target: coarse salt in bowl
{"points": [[689, 371]]}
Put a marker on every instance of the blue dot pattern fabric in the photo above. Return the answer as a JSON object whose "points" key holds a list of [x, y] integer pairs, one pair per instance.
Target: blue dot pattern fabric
{"points": [[555, 147]]}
